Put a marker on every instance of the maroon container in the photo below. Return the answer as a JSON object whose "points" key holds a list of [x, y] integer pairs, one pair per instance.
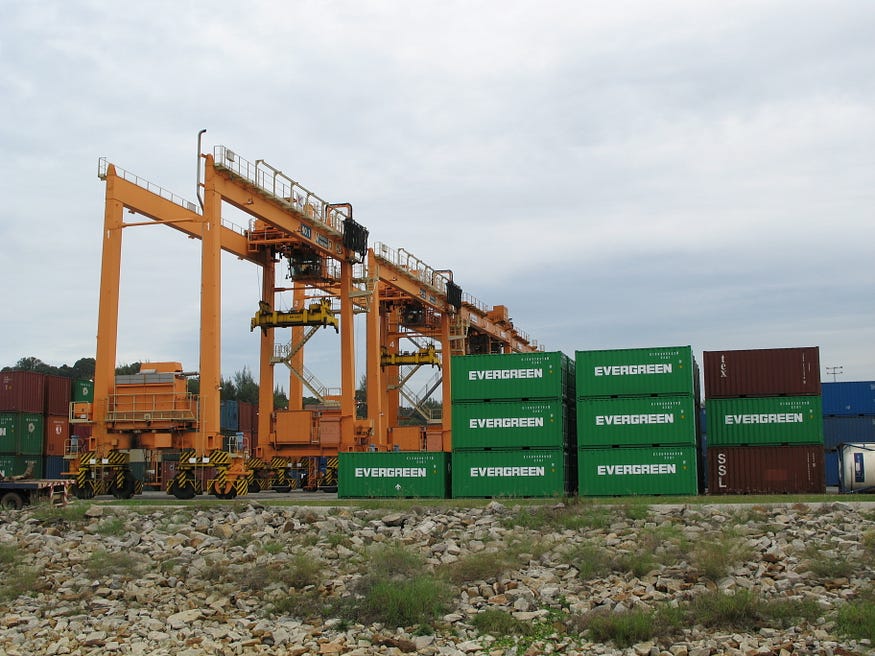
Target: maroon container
{"points": [[22, 391], [766, 469], [57, 395], [246, 411], [762, 372]]}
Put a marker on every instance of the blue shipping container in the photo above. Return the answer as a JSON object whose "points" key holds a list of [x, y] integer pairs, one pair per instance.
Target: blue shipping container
{"points": [[831, 468], [230, 416], [841, 430], [857, 398]]}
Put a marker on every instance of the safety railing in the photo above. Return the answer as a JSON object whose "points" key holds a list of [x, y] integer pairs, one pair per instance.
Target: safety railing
{"points": [[281, 188], [103, 165], [407, 263]]}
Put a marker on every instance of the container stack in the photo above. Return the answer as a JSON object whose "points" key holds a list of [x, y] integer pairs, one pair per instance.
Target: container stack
{"points": [[638, 421], [513, 425], [765, 421], [848, 430], [22, 421]]}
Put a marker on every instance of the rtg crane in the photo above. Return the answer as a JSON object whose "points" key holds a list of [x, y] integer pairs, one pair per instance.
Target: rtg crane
{"points": [[334, 275]]}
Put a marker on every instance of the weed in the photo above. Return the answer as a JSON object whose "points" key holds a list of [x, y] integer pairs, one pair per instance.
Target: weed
{"points": [[18, 581], [826, 563], [104, 564], [715, 556], [111, 526], [590, 560], [404, 603], [623, 629], [867, 541], [787, 612], [638, 564], [73, 513], [856, 619], [272, 548], [9, 555], [301, 605], [241, 539], [636, 510], [718, 609], [480, 566], [499, 623]]}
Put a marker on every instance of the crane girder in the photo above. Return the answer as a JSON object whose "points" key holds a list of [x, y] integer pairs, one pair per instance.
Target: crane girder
{"points": [[316, 314]]}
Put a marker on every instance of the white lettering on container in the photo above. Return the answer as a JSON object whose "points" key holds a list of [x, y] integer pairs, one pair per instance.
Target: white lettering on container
{"points": [[390, 472], [635, 470], [632, 369], [624, 420], [765, 418], [507, 422], [497, 472], [504, 374]]}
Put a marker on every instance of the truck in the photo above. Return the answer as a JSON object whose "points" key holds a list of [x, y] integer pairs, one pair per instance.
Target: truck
{"points": [[21, 489]]}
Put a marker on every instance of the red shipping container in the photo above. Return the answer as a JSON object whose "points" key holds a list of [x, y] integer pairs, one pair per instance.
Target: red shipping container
{"points": [[762, 372], [57, 396], [766, 469], [57, 433], [22, 391], [246, 414]]}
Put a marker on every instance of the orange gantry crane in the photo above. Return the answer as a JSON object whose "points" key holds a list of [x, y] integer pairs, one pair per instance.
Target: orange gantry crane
{"points": [[333, 276]]}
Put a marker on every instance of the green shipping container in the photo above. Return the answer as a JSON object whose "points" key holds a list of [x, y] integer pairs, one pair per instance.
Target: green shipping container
{"points": [[644, 420], [512, 473], [511, 424], [404, 474], [636, 372], [16, 465], [512, 376], [22, 433], [638, 470], [765, 421], [82, 391]]}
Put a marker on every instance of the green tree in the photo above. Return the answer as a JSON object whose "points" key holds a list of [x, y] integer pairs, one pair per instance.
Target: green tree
{"points": [[247, 388]]}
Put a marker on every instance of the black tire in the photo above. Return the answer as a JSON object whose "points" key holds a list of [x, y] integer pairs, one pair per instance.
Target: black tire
{"points": [[126, 491], [184, 491], [85, 492], [11, 501], [282, 489]]}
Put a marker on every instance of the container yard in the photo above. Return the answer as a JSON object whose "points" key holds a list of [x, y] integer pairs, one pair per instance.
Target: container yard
{"points": [[498, 416]]}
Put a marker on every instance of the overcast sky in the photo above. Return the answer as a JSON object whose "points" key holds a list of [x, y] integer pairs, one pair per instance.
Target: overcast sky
{"points": [[619, 174]]}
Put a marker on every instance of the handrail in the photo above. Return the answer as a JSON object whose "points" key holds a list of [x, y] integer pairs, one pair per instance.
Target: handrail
{"points": [[103, 166], [281, 188]]}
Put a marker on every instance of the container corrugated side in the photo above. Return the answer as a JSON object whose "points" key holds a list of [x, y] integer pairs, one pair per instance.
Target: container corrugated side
{"points": [[762, 372], [831, 468], [229, 415], [517, 376], [402, 474], [82, 391], [510, 424], [793, 469], [57, 395], [840, 430], [16, 465], [22, 433], [57, 434], [637, 470], [636, 372], [512, 473], [629, 421], [22, 391], [849, 398], [764, 420]]}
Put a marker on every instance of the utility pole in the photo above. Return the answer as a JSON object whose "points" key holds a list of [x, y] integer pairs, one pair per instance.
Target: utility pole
{"points": [[834, 371]]}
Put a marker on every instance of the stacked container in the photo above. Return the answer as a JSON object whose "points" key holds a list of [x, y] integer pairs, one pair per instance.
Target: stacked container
{"points": [[765, 421], [848, 429], [22, 421], [637, 421], [513, 425]]}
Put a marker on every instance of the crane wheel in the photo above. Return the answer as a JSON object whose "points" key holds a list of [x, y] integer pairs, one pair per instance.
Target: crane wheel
{"points": [[127, 487], [282, 489], [185, 490], [84, 492]]}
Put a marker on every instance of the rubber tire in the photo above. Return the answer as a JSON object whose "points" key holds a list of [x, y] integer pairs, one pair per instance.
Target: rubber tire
{"points": [[11, 501], [127, 490], [86, 492], [182, 492]]}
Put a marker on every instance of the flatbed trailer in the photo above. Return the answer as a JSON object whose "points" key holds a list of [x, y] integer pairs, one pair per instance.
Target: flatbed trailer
{"points": [[15, 494]]}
